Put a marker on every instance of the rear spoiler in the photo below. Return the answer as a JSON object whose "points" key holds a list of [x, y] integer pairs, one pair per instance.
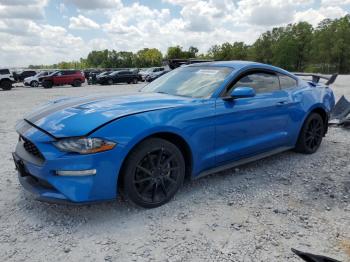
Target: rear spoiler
{"points": [[316, 78], [174, 63]]}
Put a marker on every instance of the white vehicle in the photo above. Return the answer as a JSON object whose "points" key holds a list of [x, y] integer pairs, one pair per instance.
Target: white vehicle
{"points": [[6, 79], [34, 81], [148, 71]]}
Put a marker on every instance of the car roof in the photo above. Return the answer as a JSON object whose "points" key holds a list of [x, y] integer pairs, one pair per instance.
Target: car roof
{"points": [[237, 65]]}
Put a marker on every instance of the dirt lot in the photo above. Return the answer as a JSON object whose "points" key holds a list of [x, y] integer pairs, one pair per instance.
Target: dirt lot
{"points": [[253, 213]]}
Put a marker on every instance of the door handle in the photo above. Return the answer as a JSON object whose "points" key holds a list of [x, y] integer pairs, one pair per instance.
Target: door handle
{"points": [[281, 103]]}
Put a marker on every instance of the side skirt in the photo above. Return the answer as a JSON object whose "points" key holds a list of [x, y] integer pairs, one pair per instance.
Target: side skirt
{"points": [[241, 162]]}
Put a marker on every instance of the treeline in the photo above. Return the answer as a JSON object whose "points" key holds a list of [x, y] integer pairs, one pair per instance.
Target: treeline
{"points": [[296, 47]]}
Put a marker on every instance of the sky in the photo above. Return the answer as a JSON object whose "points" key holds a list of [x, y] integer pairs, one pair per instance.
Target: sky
{"points": [[50, 31]]}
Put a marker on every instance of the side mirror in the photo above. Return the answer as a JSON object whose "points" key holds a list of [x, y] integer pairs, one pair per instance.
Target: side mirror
{"points": [[241, 92]]}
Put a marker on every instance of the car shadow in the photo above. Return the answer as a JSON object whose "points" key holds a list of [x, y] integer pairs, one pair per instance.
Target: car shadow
{"points": [[191, 191]]}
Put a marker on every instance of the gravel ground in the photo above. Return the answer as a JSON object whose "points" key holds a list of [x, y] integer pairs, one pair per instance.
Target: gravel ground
{"points": [[256, 212]]}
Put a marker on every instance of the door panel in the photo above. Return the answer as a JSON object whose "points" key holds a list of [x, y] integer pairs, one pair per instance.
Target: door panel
{"points": [[120, 78], [249, 126], [127, 78], [59, 80]]}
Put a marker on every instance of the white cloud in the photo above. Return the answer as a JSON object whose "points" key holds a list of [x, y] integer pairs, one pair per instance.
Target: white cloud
{"points": [[22, 2], [95, 4], [314, 16], [26, 38], [82, 22], [203, 16], [32, 43], [335, 3], [21, 9]]}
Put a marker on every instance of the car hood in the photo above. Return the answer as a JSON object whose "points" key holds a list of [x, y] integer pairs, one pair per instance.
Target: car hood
{"points": [[27, 79], [67, 117]]}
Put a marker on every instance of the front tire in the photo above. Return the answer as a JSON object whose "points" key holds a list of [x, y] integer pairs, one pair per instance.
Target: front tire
{"points": [[311, 134], [6, 85], [110, 82], [153, 173], [47, 84]]}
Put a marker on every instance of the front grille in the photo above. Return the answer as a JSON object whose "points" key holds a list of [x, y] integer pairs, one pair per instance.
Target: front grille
{"points": [[31, 148]]}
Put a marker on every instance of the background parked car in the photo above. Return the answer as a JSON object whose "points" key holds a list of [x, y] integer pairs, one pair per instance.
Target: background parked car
{"points": [[92, 76], [64, 77], [145, 72], [35, 81], [119, 77], [19, 77], [6, 79], [155, 75]]}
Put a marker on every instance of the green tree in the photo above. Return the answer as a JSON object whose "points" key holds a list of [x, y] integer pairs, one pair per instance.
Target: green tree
{"points": [[178, 52], [331, 46], [149, 57], [174, 52], [192, 52], [228, 51]]}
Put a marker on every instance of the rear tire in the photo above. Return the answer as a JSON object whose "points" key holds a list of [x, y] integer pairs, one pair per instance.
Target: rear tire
{"points": [[6, 85], [47, 84], [76, 83], [311, 134], [153, 173], [34, 83]]}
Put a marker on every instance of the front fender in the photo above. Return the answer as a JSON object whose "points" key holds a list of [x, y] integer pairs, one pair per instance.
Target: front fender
{"points": [[131, 130], [194, 124]]}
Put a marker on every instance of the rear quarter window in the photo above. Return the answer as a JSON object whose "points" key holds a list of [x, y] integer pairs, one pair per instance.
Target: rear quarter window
{"points": [[287, 82], [4, 72]]}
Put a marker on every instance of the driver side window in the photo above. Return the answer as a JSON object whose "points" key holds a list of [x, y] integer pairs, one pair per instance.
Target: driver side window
{"points": [[261, 82]]}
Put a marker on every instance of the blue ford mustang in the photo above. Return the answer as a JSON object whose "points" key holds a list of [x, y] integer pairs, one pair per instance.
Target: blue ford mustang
{"points": [[195, 120]]}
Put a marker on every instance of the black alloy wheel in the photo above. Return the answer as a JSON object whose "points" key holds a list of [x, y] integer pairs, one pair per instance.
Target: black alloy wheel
{"points": [[311, 135], [154, 172]]}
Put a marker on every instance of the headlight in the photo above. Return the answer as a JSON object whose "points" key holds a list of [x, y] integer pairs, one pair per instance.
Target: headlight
{"points": [[84, 145]]}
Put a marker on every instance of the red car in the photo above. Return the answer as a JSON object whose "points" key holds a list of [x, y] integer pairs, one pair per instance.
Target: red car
{"points": [[64, 77]]}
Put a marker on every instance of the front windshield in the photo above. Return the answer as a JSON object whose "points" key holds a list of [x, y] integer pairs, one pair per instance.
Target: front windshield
{"points": [[114, 73], [42, 73], [54, 73], [147, 70], [191, 81], [104, 73]]}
